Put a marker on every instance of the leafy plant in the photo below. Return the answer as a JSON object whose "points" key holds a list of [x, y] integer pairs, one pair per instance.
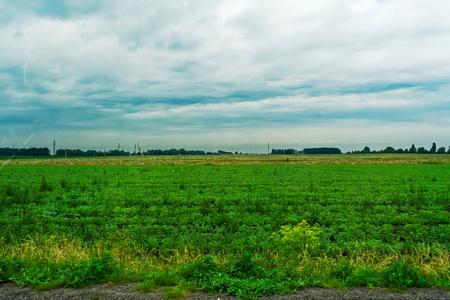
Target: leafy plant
{"points": [[96, 270], [201, 270], [174, 293], [245, 267], [364, 277], [400, 275], [146, 287], [163, 278], [300, 239], [243, 279]]}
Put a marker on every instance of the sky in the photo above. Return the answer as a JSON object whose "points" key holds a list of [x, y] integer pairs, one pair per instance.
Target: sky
{"points": [[229, 75]]}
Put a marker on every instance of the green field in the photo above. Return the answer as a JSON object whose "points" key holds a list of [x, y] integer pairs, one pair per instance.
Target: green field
{"points": [[373, 213]]}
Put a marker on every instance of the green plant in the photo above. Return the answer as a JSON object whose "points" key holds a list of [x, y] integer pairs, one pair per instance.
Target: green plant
{"points": [[8, 268], [47, 286], [34, 275], [200, 270], [242, 278], [96, 270], [364, 277], [174, 293], [400, 275], [245, 267], [163, 278], [45, 186], [146, 287], [343, 271], [300, 239]]}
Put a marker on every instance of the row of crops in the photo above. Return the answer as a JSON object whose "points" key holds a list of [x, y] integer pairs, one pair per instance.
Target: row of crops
{"points": [[229, 209], [248, 226]]}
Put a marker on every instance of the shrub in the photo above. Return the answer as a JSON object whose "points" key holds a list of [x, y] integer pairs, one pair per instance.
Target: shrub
{"points": [[401, 275], [95, 270], [300, 239], [364, 277], [243, 279], [246, 267]]}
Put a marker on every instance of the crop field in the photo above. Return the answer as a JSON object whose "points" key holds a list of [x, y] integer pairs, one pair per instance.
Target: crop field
{"points": [[335, 221]]}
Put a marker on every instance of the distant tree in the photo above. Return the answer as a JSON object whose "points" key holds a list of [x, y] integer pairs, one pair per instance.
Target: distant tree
{"points": [[433, 148], [323, 150], [422, 150], [441, 150], [389, 149], [448, 151], [284, 151], [223, 152], [399, 150], [412, 149], [366, 150]]}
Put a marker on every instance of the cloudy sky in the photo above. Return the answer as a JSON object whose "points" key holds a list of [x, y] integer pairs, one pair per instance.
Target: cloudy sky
{"points": [[225, 74]]}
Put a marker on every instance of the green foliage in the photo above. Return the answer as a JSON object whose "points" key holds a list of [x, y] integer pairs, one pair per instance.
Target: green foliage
{"points": [[157, 211], [146, 287], [10, 267], [243, 279], [299, 239], [174, 293], [163, 277], [343, 271], [224, 209], [96, 270], [246, 267], [369, 278], [400, 276], [35, 275], [47, 286], [45, 186], [45, 276]]}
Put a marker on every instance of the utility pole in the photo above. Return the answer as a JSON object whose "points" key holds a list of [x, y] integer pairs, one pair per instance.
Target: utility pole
{"points": [[14, 152], [54, 147], [268, 148]]}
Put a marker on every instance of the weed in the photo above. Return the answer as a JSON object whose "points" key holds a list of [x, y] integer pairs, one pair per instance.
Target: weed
{"points": [[300, 239], [96, 270], [163, 278], [47, 286], [400, 275], [45, 186], [365, 277], [174, 293], [146, 287], [245, 267]]}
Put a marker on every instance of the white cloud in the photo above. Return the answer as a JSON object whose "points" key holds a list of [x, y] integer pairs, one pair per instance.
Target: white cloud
{"points": [[129, 60], [397, 99]]}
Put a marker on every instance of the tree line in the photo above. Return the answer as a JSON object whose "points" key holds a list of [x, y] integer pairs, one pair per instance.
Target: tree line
{"points": [[320, 150], [24, 152], [13, 152], [412, 149]]}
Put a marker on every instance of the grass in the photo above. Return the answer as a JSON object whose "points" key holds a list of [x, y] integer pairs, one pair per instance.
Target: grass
{"points": [[47, 260]]}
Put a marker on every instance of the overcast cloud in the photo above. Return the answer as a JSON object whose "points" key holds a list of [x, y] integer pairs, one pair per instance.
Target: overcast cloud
{"points": [[225, 74]]}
